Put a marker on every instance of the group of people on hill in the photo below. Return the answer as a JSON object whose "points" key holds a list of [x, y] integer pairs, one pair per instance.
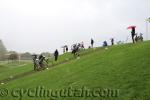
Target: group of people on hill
{"points": [[76, 47], [40, 61], [135, 37]]}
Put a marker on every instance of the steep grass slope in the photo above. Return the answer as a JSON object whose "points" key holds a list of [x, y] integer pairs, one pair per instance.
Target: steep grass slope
{"points": [[125, 68]]}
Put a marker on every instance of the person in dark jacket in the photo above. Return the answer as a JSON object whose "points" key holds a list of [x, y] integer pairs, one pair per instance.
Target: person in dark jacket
{"points": [[112, 41], [66, 48], [56, 53], [41, 61], [105, 44], [35, 61], [133, 34], [92, 43]]}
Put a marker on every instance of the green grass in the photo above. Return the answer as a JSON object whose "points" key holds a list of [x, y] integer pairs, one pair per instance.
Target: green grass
{"points": [[11, 69], [14, 68], [124, 67]]}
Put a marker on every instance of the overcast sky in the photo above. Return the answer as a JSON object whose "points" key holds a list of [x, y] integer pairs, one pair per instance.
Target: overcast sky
{"points": [[44, 25]]}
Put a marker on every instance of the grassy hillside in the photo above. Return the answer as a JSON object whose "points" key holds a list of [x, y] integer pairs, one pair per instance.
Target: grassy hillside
{"points": [[124, 68], [13, 69]]}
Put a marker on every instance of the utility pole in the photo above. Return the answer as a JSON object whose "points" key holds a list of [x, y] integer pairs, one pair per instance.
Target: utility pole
{"points": [[147, 31], [19, 57]]}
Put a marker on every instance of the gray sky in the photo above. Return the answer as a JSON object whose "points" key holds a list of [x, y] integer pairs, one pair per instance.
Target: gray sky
{"points": [[44, 25]]}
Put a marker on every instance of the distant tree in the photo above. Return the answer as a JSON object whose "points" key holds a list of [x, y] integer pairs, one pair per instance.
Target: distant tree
{"points": [[13, 56], [3, 50], [47, 54], [26, 56]]}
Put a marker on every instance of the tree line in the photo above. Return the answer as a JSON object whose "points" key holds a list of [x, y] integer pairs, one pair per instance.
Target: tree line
{"points": [[6, 55]]}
